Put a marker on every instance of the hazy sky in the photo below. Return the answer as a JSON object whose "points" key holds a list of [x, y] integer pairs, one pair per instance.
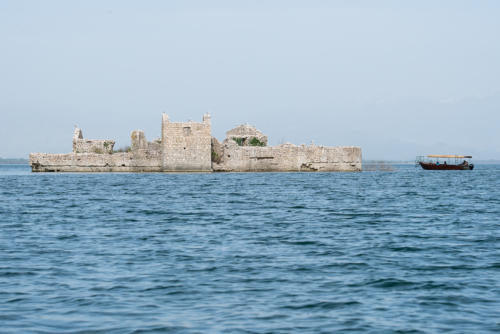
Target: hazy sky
{"points": [[398, 78]]}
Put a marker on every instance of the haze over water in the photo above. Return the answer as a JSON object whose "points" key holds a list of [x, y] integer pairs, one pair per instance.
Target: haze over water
{"points": [[397, 78], [409, 251]]}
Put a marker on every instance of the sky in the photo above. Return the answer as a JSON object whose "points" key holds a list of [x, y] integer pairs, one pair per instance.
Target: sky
{"points": [[397, 78]]}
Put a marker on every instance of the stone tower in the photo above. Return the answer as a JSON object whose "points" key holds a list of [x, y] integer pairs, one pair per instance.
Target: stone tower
{"points": [[186, 146]]}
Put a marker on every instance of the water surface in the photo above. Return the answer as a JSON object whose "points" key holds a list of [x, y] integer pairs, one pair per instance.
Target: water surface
{"points": [[408, 251]]}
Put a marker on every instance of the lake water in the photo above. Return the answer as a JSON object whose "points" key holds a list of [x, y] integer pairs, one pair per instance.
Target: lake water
{"points": [[408, 251]]}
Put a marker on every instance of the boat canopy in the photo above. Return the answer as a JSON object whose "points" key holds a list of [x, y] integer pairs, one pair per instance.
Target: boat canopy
{"points": [[450, 156]]}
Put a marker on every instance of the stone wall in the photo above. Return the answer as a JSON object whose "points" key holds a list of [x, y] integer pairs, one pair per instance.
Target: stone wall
{"points": [[186, 146], [217, 151], [143, 156], [81, 145], [288, 157], [138, 143], [189, 147], [92, 162]]}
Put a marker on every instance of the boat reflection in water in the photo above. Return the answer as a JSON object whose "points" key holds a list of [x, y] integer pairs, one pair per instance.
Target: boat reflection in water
{"points": [[445, 162]]}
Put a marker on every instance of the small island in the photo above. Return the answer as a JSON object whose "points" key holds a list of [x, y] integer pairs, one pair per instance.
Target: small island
{"points": [[190, 147]]}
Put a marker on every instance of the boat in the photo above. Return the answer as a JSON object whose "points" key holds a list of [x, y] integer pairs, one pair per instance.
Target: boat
{"points": [[445, 162]]}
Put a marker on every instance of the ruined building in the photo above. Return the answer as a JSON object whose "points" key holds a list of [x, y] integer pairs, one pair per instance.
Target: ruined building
{"points": [[190, 147]]}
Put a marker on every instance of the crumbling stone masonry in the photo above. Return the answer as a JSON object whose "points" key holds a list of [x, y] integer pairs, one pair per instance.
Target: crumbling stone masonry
{"points": [[247, 135], [189, 147], [81, 145]]}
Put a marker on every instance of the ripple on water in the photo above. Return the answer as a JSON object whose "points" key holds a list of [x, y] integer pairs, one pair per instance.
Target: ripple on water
{"points": [[402, 252]]}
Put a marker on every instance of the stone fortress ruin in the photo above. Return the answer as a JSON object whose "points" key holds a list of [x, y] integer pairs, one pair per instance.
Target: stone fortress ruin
{"points": [[190, 147]]}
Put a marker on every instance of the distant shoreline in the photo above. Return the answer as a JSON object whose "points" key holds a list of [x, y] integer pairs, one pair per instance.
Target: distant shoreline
{"points": [[13, 161]]}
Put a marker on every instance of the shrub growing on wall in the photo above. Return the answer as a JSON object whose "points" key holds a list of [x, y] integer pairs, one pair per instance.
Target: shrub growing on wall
{"points": [[256, 142], [239, 141], [215, 157]]}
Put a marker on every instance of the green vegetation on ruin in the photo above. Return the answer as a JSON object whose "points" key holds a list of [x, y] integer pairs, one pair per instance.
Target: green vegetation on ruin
{"points": [[256, 142], [253, 142], [215, 157], [239, 141]]}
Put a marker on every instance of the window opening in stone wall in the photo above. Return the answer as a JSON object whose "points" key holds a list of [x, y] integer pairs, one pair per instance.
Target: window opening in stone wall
{"points": [[186, 130]]}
